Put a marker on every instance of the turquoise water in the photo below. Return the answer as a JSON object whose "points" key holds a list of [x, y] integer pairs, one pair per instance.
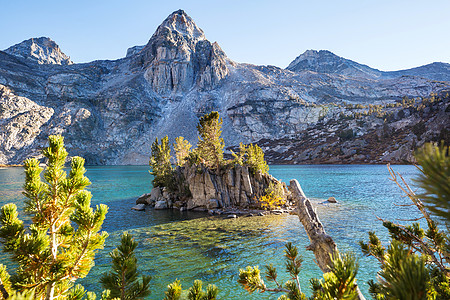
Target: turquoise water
{"points": [[192, 246]]}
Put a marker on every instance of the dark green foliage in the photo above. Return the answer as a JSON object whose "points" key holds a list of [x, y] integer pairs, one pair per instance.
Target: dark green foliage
{"points": [[194, 158], [59, 245], [435, 179], [373, 247], [293, 261], [160, 163], [123, 281], [210, 144], [403, 275]]}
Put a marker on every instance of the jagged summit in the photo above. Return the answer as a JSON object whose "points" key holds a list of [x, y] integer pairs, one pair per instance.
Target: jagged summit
{"points": [[42, 50], [179, 22], [325, 61], [178, 57]]}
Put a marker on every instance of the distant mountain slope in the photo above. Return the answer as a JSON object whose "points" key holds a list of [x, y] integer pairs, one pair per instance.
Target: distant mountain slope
{"points": [[324, 61], [111, 111]]}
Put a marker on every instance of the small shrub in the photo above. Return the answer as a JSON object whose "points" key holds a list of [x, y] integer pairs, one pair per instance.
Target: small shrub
{"points": [[271, 201], [274, 197]]}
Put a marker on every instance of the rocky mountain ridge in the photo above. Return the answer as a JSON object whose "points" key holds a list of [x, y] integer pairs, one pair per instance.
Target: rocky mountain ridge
{"points": [[111, 111], [324, 61], [41, 50]]}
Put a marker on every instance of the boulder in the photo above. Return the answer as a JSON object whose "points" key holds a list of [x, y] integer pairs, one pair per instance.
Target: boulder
{"points": [[213, 203], [155, 194], [161, 204], [139, 207], [144, 199], [332, 200]]}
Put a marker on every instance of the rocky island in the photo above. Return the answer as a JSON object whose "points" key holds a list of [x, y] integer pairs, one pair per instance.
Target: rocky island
{"points": [[203, 180]]}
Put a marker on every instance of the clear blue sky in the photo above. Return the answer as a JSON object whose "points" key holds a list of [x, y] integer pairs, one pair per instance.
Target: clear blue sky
{"points": [[388, 35]]}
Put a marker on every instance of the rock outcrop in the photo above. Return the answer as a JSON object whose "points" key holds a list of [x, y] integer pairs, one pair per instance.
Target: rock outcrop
{"points": [[111, 111], [134, 50], [21, 122], [204, 189]]}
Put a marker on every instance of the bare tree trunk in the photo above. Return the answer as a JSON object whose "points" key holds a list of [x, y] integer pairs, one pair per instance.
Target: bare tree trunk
{"points": [[321, 244]]}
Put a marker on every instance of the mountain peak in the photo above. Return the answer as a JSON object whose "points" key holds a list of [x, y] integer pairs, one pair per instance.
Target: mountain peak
{"points": [[178, 56], [41, 50], [324, 61], [179, 22]]}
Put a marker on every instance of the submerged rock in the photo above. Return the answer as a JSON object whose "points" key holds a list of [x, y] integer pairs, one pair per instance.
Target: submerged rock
{"points": [[139, 207]]}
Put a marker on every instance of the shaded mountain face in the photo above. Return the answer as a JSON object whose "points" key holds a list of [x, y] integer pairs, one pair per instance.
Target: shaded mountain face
{"points": [[110, 112], [41, 50]]}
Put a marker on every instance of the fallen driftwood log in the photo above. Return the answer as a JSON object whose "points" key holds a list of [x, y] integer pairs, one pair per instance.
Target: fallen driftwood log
{"points": [[322, 245]]}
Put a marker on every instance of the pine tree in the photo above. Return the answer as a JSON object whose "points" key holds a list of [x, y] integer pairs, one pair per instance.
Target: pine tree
{"points": [[255, 159], [210, 145], [60, 244], [182, 149], [195, 292], [435, 178], [339, 283], [160, 162], [123, 281], [416, 264]]}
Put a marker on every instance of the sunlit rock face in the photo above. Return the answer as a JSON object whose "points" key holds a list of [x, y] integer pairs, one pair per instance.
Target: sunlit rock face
{"points": [[110, 112], [41, 50], [178, 57]]}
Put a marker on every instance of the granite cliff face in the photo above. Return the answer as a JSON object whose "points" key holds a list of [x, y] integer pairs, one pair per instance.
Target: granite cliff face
{"points": [[111, 111]]}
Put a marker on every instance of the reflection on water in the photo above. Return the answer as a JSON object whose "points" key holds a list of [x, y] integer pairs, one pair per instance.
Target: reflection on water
{"points": [[190, 245]]}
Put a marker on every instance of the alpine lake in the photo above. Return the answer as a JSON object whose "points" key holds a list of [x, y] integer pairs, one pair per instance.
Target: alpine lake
{"points": [[192, 245]]}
